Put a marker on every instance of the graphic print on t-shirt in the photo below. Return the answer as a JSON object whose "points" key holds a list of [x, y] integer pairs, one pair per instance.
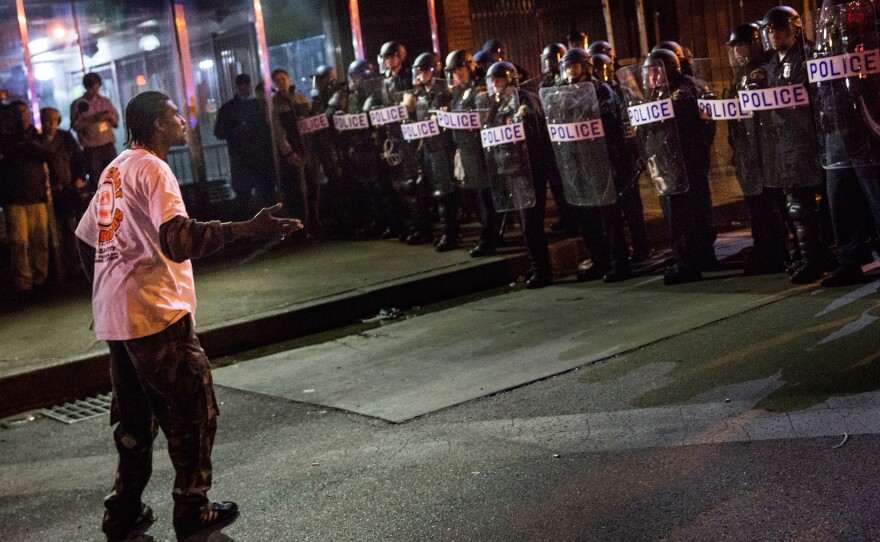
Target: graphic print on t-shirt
{"points": [[109, 215]]}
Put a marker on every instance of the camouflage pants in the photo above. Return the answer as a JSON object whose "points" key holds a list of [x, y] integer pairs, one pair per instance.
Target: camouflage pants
{"points": [[161, 381]]}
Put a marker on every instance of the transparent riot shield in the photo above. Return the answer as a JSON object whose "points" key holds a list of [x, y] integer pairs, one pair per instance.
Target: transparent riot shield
{"points": [[778, 96], [507, 156], [575, 124], [432, 144], [395, 153], [723, 107], [843, 67], [464, 122], [651, 116]]}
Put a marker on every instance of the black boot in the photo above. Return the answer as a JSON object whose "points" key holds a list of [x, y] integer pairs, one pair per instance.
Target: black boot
{"points": [[448, 209], [802, 211]]}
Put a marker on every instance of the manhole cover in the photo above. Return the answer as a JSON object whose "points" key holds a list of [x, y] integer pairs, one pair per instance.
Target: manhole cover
{"points": [[79, 410]]}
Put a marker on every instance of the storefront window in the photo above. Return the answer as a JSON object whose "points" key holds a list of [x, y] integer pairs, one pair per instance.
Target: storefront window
{"points": [[133, 47], [223, 44]]}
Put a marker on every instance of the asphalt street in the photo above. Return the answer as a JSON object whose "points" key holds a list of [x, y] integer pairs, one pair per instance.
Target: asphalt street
{"points": [[732, 409]]}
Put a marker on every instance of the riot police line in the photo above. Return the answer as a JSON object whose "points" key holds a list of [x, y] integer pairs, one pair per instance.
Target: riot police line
{"points": [[802, 122]]}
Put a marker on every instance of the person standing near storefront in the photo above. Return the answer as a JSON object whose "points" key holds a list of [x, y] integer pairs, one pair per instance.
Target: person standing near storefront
{"points": [[243, 124], [24, 197], [93, 118]]}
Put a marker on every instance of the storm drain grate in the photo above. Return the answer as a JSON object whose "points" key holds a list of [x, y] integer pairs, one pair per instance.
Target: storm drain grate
{"points": [[79, 410]]}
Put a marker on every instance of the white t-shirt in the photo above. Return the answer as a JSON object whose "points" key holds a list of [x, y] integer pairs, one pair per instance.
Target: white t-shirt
{"points": [[137, 291]]}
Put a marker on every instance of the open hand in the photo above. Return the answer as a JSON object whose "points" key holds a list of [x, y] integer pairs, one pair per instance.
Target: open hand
{"points": [[267, 226]]}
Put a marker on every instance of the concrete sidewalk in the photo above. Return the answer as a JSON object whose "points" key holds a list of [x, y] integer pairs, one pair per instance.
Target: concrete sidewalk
{"points": [[262, 294]]}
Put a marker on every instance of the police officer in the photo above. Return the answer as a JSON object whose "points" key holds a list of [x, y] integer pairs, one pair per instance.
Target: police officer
{"points": [[602, 227], [686, 68], [287, 110], [497, 47], [550, 57], [461, 69], [849, 111], [483, 60], [602, 47], [769, 254], [503, 78], [395, 163], [792, 137], [437, 153], [629, 198], [358, 159], [322, 156], [688, 217], [577, 38]]}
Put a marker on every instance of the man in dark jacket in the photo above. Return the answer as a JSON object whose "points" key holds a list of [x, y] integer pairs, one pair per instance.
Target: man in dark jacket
{"points": [[24, 196], [688, 214], [243, 124], [601, 225], [502, 79], [793, 153], [67, 172]]}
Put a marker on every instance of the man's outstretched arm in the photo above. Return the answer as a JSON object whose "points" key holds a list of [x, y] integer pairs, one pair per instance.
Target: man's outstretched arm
{"points": [[184, 238]]}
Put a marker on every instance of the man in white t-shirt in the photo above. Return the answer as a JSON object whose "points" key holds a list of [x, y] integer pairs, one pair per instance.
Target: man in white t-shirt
{"points": [[136, 240]]}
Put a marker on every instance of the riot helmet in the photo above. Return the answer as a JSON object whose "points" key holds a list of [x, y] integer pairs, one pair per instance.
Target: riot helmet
{"points": [[780, 27], [501, 71], [495, 45], [550, 58], [359, 71], [323, 71], [673, 46], [390, 48], [744, 45], [324, 77], [601, 47], [392, 54], [459, 59], [654, 78], [425, 68], [483, 60], [576, 65], [576, 38], [603, 67], [682, 54]]}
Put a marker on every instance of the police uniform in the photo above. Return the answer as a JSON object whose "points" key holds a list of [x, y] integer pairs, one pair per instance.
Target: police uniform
{"points": [[322, 157], [473, 163], [396, 162], [688, 214], [768, 229], [358, 163], [602, 227], [796, 162], [848, 120], [437, 161]]}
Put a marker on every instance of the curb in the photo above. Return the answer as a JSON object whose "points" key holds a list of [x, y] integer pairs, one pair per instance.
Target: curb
{"points": [[89, 376]]}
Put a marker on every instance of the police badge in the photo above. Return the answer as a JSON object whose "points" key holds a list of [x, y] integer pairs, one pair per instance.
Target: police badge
{"points": [[466, 95], [786, 70]]}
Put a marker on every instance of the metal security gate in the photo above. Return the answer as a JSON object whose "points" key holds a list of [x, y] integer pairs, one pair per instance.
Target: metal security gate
{"points": [[526, 26]]}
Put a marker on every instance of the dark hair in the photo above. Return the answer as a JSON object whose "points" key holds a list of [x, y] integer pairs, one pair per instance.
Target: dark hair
{"points": [[279, 70], [90, 79], [141, 114], [242, 79]]}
